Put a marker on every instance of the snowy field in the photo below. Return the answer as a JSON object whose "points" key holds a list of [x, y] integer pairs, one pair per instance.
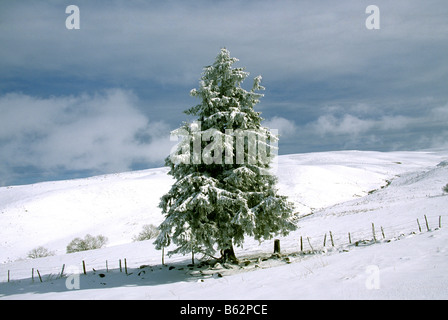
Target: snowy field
{"points": [[347, 193]]}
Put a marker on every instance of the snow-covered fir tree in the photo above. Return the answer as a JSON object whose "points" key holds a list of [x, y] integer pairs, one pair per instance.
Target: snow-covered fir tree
{"points": [[223, 189]]}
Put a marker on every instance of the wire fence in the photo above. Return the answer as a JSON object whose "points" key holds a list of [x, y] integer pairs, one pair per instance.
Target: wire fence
{"points": [[318, 242], [44, 271]]}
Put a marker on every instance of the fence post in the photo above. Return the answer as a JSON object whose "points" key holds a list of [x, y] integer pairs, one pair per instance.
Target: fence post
{"points": [[84, 267], [331, 238], [276, 246], [309, 242], [38, 273], [62, 271]]}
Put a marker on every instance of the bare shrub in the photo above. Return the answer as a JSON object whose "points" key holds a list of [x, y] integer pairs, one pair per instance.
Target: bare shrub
{"points": [[40, 252], [88, 243], [149, 231]]}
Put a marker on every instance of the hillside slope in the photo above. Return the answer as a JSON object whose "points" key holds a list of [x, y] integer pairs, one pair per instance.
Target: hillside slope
{"points": [[51, 214], [338, 192]]}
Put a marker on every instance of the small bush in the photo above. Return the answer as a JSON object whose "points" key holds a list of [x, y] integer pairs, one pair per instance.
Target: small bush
{"points": [[445, 188], [149, 231], [88, 243], [39, 252]]}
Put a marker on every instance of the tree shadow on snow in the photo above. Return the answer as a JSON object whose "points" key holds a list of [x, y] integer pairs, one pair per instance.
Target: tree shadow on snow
{"points": [[101, 279]]}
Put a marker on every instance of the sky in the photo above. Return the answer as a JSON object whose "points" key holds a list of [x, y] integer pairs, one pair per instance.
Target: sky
{"points": [[103, 98]]}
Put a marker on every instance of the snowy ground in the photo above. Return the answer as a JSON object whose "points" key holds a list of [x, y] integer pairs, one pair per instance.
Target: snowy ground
{"points": [[342, 192]]}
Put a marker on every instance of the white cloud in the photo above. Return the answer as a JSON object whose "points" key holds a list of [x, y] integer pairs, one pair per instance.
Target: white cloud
{"points": [[104, 132], [348, 124], [370, 127], [311, 54], [285, 127]]}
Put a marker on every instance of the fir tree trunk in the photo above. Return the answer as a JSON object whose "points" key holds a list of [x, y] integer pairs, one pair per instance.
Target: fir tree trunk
{"points": [[228, 255]]}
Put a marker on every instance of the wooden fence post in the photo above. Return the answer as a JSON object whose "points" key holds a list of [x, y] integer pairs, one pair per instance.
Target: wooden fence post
{"points": [[62, 271], [276, 246], [309, 242], [84, 267], [38, 273]]}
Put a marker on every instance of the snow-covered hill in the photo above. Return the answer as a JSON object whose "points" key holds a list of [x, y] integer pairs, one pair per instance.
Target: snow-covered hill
{"points": [[342, 192], [51, 214]]}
